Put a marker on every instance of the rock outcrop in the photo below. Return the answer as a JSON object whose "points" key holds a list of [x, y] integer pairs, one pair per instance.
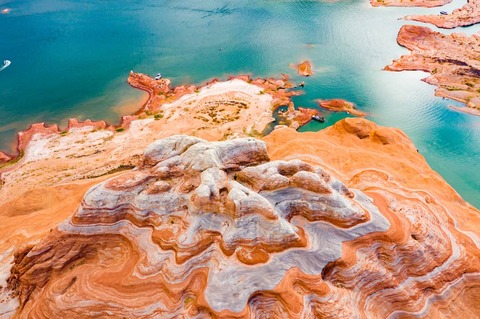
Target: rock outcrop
{"points": [[452, 61], [467, 15], [85, 150], [409, 3], [305, 68], [250, 229], [339, 105], [296, 117]]}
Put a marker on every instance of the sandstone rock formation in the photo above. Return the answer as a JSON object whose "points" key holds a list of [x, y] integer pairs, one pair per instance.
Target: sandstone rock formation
{"points": [[339, 105], [305, 68], [251, 229], [85, 150], [296, 117], [452, 61], [467, 15], [44, 184], [409, 3]]}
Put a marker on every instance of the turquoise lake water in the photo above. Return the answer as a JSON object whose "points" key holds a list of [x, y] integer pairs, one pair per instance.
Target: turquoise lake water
{"points": [[71, 59]]}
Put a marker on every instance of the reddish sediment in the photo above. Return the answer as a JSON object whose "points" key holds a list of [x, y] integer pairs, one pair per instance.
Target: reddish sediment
{"points": [[452, 61], [340, 105]]}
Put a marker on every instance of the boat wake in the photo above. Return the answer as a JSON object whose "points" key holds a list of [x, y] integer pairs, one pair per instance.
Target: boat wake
{"points": [[5, 65]]}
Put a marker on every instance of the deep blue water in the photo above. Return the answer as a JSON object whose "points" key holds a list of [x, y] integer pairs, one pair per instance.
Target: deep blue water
{"points": [[71, 59]]}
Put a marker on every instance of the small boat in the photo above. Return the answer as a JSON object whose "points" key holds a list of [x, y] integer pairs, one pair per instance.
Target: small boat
{"points": [[444, 12], [6, 63], [318, 118], [158, 77]]}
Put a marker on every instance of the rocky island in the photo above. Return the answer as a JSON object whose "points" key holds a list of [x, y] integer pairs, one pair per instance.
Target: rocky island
{"points": [[185, 210], [340, 105], [305, 68]]}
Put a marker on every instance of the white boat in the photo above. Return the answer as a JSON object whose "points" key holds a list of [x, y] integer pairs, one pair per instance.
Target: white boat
{"points": [[6, 63]]}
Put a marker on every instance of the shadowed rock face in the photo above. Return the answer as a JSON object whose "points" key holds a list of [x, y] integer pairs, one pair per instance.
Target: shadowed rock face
{"points": [[215, 229]]}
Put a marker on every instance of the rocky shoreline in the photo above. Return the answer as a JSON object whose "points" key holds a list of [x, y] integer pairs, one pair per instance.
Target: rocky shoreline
{"points": [[186, 210], [452, 61], [467, 15], [289, 223], [409, 3], [340, 105]]}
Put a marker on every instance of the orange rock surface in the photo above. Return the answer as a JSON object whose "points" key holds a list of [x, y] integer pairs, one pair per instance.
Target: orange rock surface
{"points": [[139, 221], [467, 15], [305, 68], [339, 105], [296, 117], [452, 61], [330, 224], [409, 3]]}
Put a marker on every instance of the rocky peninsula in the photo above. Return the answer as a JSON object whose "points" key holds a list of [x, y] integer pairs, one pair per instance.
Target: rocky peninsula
{"points": [[186, 210], [452, 61], [340, 105], [467, 15], [157, 216], [409, 3]]}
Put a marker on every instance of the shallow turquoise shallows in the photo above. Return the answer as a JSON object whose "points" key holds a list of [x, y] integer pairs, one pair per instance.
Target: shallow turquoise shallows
{"points": [[71, 59]]}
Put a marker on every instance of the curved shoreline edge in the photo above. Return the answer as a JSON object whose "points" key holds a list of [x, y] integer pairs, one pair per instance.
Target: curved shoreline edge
{"points": [[160, 93], [451, 60]]}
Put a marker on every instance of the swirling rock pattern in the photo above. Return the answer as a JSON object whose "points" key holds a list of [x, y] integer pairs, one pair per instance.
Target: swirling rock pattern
{"points": [[218, 230]]}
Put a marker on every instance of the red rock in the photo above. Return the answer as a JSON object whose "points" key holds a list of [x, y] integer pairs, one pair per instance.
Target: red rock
{"points": [[4, 157], [25, 136], [339, 105], [452, 61], [409, 3], [305, 68], [388, 240], [467, 15], [74, 123]]}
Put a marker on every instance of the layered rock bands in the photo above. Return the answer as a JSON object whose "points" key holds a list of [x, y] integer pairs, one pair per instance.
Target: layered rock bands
{"points": [[318, 225]]}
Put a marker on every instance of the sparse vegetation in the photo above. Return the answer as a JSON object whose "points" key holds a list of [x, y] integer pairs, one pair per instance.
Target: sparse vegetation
{"points": [[13, 161], [114, 170]]}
